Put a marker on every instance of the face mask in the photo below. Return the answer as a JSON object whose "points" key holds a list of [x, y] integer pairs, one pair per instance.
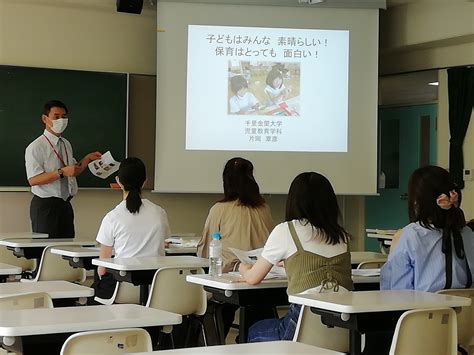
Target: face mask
{"points": [[59, 125]]}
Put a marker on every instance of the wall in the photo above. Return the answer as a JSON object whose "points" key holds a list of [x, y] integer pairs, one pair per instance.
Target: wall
{"points": [[439, 35], [76, 34]]}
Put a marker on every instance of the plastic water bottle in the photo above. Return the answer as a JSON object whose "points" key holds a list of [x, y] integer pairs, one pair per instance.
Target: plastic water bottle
{"points": [[215, 255]]}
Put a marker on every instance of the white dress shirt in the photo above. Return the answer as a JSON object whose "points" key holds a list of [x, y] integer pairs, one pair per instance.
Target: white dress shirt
{"points": [[40, 157]]}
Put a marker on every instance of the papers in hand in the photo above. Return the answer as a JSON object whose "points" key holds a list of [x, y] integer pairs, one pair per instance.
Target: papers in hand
{"points": [[251, 257], [105, 166]]}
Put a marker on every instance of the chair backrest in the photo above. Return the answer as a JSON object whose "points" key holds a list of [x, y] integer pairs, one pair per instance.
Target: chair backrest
{"points": [[310, 330], [7, 257], [465, 316], [26, 301], [372, 264], [169, 282], [426, 331], [124, 293], [54, 267], [105, 342]]}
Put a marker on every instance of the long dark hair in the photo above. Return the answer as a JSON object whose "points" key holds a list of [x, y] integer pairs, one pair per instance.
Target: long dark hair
{"points": [[425, 186], [312, 198], [132, 175], [239, 183]]}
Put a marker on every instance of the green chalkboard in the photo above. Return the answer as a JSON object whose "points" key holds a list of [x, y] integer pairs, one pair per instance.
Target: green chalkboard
{"points": [[97, 104]]}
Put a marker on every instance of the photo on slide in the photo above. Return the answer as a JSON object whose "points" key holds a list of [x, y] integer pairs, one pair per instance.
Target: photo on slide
{"points": [[263, 88]]}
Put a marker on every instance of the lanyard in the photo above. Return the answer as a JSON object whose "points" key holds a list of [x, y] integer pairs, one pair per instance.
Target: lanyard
{"points": [[56, 152]]}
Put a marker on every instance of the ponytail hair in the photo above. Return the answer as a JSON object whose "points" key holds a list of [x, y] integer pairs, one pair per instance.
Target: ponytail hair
{"points": [[132, 176]]}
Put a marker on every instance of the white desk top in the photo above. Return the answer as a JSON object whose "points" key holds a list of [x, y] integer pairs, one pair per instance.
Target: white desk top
{"points": [[40, 242], [227, 284], [56, 289], [76, 251], [274, 348], [150, 263], [83, 318], [23, 235], [175, 249], [380, 236], [6, 269], [378, 301], [359, 256]]}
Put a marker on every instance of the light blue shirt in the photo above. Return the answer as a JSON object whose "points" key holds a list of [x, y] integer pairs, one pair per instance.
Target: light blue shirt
{"points": [[417, 262]]}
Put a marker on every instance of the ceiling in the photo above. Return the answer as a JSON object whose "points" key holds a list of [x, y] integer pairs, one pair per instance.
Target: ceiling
{"points": [[408, 89]]}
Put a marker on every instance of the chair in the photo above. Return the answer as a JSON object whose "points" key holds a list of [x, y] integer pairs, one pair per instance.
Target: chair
{"points": [[26, 301], [124, 293], [426, 331], [310, 330], [465, 320], [372, 264], [7, 257], [54, 267], [105, 342], [171, 292]]}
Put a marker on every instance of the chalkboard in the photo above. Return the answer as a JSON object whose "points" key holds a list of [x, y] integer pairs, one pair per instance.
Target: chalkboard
{"points": [[97, 105]]}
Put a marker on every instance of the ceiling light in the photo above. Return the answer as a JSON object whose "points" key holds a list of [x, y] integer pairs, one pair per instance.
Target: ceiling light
{"points": [[434, 83]]}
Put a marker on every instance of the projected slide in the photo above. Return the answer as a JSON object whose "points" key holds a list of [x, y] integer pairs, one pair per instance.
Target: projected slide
{"points": [[267, 89]]}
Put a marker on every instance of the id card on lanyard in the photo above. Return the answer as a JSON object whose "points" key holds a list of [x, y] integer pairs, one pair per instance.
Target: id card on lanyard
{"points": [[60, 158]]}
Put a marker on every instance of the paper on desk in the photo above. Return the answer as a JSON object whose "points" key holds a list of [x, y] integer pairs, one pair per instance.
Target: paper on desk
{"points": [[182, 242], [105, 166], [381, 231], [251, 257]]}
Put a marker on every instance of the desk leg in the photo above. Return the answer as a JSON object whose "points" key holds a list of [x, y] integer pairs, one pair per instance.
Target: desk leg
{"points": [[243, 327], [354, 342], [144, 290]]}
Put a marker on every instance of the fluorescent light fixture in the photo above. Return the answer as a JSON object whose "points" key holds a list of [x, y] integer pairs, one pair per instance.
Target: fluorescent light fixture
{"points": [[311, 1], [434, 83]]}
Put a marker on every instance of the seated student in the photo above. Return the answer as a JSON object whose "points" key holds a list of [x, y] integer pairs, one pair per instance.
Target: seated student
{"points": [[437, 236], [313, 246], [136, 227], [243, 101], [275, 89], [242, 217]]}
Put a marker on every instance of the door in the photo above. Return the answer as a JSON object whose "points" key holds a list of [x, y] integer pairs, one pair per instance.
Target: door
{"points": [[407, 141]]}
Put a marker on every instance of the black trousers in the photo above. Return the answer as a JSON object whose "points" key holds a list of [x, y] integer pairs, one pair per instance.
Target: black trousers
{"points": [[52, 216]]}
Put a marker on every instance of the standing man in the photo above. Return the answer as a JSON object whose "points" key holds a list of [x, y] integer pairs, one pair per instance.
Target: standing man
{"points": [[51, 171]]}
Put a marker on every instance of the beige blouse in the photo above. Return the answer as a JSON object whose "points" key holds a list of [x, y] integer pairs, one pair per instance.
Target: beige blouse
{"points": [[241, 227]]}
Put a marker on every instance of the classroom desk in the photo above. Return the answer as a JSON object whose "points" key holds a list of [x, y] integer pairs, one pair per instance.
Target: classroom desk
{"points": [[140, 271], [7, 270], [359, 256], [182, 244], [273, 347], [31, 328], [59, 291], [22, 235], [368, 311], [268, 293], [385, 241], [78, 256], [33, 248]]}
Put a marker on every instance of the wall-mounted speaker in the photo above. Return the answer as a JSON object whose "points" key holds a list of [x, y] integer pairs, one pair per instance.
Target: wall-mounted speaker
{"points": [[130, 6]]}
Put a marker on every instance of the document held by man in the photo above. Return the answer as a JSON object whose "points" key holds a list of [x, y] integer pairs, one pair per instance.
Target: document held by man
{"points": [[105, 166]]}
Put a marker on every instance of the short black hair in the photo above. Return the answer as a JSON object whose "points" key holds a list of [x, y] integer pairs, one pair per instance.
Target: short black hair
{"points": [[238, 82], [53, 103], [272, 75], [311, 198]]}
